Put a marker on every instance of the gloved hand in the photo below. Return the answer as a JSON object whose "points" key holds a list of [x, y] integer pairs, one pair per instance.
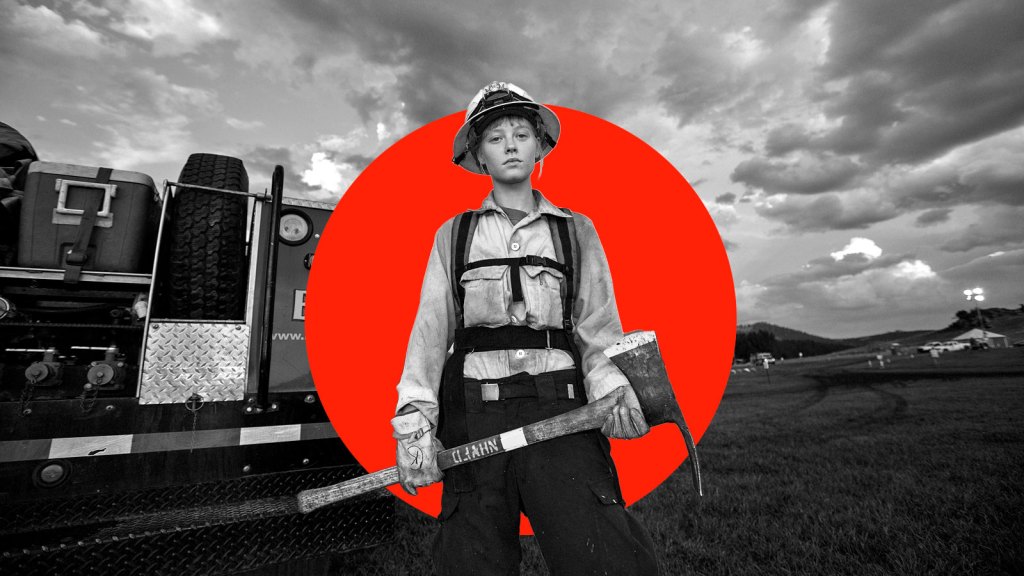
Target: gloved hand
{"points": [[627, 419], [417, 451]]}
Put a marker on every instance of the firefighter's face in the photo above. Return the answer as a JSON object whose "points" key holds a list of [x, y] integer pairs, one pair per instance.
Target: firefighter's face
{"points": [[509, 148]]}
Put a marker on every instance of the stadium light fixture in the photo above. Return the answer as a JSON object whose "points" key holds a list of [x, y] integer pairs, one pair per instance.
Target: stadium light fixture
{"points": [[977, 295]]}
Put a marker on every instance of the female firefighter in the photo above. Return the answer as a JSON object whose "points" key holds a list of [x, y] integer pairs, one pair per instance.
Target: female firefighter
{"points": [[515, 311]]}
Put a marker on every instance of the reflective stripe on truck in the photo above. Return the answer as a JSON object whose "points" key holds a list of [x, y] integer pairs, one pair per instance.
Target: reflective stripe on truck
{"points": [[85, 446]]}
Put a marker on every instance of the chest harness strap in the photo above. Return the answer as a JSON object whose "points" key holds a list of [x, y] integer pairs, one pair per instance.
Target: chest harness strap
{"points": [[563, 236]]}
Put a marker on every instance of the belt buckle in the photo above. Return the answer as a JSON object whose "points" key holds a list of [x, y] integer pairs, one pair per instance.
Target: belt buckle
{"points": [[489, 392]]}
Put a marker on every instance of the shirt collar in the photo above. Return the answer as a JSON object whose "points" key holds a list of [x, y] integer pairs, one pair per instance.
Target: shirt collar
{"points": [[543, 205]]}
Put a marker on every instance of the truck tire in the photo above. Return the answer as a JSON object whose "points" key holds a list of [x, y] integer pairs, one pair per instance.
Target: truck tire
{"points": [[206, 263]]}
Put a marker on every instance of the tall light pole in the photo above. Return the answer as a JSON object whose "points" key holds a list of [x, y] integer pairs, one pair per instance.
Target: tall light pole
{"points": [[978, 295]]}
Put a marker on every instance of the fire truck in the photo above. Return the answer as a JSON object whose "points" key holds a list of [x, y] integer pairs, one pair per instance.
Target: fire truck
{"points": [[157, 413]]}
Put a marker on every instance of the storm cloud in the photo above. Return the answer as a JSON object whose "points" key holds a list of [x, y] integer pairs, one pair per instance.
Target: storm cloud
{"points": [[797, 121], [809, 175], [911, 102], [825, 211]]}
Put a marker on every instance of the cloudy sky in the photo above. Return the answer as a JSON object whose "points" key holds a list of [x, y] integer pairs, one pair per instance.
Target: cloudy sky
{"points": [[863, 159]]}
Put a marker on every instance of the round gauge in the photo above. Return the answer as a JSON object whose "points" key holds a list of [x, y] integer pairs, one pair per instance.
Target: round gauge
{"points": [[294, 228]]}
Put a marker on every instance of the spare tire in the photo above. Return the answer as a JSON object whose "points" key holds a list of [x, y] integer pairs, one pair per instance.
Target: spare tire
{"points": [[205, 267], [16, 153]]}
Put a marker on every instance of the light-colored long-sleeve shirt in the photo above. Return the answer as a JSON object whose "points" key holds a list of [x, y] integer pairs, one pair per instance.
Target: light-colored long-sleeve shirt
{"points": [[488, 302]]}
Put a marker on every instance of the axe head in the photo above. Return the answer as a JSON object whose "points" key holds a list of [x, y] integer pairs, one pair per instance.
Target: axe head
{"points": [[638, 357]]}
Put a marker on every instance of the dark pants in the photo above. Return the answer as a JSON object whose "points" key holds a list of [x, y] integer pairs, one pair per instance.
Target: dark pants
{"points": [[567, 487]]}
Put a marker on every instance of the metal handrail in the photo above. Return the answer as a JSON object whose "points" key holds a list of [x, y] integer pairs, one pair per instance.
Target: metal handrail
{"points": [[264, 196]]}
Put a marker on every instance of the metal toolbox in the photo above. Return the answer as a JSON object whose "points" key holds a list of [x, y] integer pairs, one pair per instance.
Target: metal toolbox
{"points": [[86, 217]]}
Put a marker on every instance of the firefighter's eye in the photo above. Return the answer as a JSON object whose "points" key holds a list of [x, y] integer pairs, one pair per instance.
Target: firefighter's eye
{"points": [[294, 228]]}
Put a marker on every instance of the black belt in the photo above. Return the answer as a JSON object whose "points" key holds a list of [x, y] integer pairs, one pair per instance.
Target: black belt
{"points": [[483, 339], [546, 387]]}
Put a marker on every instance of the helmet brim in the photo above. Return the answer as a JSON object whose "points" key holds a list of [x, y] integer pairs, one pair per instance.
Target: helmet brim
{"points": [[461, 154]]}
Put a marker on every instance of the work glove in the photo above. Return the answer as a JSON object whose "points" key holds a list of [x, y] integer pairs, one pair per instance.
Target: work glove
{"points": [[417, 451], [626, 419]]}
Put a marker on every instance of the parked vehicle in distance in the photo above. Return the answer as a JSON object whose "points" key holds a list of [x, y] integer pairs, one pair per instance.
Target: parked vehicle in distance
{"points": [[955, 345], [761, 358], [929, 346]]}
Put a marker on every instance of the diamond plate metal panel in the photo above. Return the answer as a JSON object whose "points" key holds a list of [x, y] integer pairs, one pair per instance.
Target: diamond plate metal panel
{"points": [[205, 529], [111, 508], [302, 203], [206, 358]]}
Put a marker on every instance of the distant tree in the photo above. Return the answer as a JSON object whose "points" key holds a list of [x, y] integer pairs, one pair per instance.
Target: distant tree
{"points": [[963, 320], [967, 319], [754, 341]]}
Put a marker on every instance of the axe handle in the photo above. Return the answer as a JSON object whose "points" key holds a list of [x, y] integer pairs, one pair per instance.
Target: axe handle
{"points": [[588, 417], [314, 498]]}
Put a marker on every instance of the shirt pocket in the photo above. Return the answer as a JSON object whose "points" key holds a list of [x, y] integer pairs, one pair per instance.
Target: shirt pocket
{"points": [[542, 290], [486, 296]]}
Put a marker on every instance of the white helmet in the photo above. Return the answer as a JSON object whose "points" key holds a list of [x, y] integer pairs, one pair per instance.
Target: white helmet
{"points": [[494, 100]]}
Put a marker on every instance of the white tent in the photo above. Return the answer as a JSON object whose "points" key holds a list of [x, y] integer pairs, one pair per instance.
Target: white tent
{"points": [[995, 340]]}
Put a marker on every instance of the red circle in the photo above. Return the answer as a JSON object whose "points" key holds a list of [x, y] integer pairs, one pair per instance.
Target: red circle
{"points": [[668, 263]]}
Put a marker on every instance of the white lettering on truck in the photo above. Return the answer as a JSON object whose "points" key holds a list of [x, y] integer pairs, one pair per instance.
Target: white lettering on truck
{"points": [[299, 305]]}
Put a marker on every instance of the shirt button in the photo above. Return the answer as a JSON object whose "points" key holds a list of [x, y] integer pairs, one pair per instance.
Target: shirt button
{"points": [[515, 245], [520, 354]]}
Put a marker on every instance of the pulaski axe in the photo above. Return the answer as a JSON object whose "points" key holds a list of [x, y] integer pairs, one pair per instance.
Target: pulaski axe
{"points": [[639, 358]]}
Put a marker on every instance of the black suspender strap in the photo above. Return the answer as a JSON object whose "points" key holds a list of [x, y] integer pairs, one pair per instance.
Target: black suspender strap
{"points": [[567, 234], [462, 230], [451, 425], [564, 229], [563, 236]]}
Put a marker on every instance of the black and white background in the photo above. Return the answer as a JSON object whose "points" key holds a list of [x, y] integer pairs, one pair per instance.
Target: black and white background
{"points": [[863, 160]]}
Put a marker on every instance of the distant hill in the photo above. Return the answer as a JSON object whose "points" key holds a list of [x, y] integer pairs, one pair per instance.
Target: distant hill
{"points": [[782, 342], [1006, 321], [780, 332], [888, 337], [789, 343]]}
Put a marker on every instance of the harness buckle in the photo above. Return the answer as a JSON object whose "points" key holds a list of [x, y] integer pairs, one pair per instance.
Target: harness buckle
{"points": [[489, 392], [532, 260]]}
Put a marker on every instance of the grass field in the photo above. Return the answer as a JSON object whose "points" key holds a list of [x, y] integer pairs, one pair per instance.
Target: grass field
{"points": [[832, 469]]}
